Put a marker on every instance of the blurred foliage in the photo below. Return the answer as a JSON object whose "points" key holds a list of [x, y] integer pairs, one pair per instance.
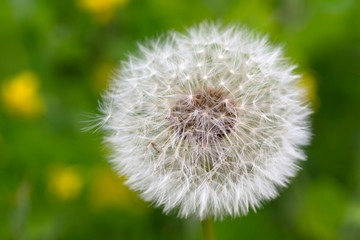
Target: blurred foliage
{"points": [[56, 57]]}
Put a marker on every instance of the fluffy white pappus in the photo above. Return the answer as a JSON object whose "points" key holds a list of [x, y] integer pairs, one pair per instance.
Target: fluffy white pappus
{"points": [[209, 123]]}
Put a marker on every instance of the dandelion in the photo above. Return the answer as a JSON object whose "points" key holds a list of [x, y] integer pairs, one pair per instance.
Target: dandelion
{"points": [[309, 84], [21, 97], [65, 183], [100, 74], [107, 191], [103, 10], [208, 123]]}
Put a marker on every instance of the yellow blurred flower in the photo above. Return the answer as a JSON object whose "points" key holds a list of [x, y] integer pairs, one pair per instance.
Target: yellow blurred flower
{"points": [[103, 10], [108, 191], [20, 95], [308, 82], [65, 183], [101, 75]]}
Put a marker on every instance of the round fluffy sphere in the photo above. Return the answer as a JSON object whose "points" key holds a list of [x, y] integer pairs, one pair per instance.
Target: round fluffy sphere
{"points": [[208, 123]]}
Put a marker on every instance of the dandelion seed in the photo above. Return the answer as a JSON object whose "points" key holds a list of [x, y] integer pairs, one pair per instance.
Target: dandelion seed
{"points": [[220, 141]]}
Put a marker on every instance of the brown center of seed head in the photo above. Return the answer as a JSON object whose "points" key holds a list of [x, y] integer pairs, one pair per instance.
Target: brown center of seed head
{"points": [[206, 116]]}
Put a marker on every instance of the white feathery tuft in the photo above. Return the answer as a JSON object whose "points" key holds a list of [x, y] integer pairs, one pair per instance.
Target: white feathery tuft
{"points": [[208, 123]]}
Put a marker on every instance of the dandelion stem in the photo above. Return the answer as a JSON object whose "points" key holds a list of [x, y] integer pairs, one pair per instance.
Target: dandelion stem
{"points": [[207, 227]]}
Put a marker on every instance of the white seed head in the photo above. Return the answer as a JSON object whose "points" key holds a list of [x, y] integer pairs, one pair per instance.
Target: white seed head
{"points": [[208, 123]]}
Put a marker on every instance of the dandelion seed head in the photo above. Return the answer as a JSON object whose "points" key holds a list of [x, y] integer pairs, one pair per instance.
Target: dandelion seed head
{"points": [[211, 126], [217, 117]]}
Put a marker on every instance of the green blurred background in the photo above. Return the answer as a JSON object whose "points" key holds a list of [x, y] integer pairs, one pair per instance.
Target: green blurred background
{"points": [[56, 56]]}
